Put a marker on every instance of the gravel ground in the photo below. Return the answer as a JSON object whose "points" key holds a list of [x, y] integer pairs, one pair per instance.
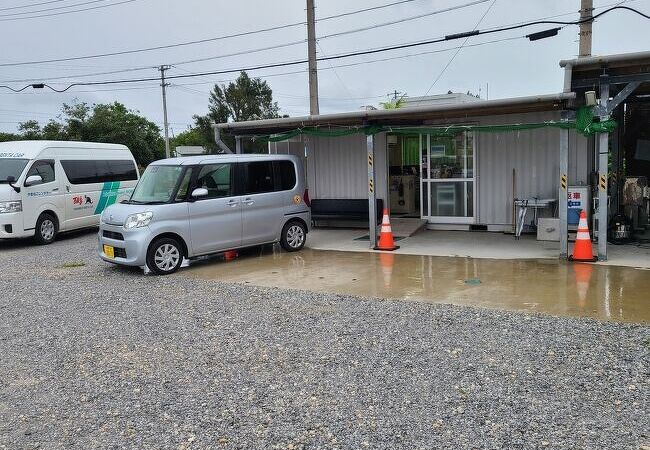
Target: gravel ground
{"points": [[101, 357]]}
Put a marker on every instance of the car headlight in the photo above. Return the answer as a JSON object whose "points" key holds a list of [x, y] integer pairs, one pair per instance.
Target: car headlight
{"points": [[11, 207], [138, 220]]}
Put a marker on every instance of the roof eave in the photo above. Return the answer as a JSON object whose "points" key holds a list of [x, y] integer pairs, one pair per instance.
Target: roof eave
{"points": [[359, 118]]}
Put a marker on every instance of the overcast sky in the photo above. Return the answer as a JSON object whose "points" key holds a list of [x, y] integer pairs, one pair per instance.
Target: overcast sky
{"points": [[511, 68]]}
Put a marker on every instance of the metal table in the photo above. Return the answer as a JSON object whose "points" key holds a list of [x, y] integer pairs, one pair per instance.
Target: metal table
{"points": [[522, 208]]}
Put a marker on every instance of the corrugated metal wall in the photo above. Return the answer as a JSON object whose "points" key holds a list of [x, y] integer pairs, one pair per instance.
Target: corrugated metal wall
{"points": [[337, 167], [534, 155]]}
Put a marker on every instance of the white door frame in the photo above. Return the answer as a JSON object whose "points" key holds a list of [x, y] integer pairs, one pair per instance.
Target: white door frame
{"points": [[426, 183]]}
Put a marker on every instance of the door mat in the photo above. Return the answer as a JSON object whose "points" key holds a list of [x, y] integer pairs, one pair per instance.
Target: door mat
{"points": [[367, 238]]}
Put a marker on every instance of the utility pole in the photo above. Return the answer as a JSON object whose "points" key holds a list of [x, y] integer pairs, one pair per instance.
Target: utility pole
{"points": [[586, 13], [164, 85], [313, 68], [395, 94]]}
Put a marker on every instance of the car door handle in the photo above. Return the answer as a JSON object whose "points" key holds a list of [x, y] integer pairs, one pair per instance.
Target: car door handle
{"points": [[55, 190], [248, 201], [232, 203]]}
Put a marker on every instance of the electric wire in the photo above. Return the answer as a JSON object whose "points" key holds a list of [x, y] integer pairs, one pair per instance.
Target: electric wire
{"points": [[212, 39], [52, 9], [68, 12], [451, 60], [176, 64], [303, 71], [341, 56], [31, 5]]}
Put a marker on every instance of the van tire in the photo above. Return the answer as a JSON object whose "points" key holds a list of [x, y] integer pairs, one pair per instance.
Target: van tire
{"points": [[170, 251], [46, 229], [294, 236]]}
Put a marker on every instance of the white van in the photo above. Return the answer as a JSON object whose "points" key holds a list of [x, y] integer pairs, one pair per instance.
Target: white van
{"points": [[49, 186]]}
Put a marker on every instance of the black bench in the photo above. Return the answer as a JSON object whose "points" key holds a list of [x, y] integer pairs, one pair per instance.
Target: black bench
{"points": [[344, 209]]}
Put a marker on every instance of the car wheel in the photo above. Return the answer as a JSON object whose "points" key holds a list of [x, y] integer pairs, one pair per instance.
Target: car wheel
{"points": [[294, 236], [46, 229], [165, 256]]}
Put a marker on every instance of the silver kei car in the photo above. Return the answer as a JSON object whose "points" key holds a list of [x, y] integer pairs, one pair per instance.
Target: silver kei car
{"points": [[196, 206]]}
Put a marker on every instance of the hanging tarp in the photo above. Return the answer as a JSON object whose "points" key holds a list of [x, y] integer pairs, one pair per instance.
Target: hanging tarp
{"points": [[586, 124]]}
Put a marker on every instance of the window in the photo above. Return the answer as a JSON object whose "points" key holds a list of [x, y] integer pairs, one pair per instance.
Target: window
{"points": [[99, 171], [11, 168], [217, 179], [181, 195], [123, 170], [260, 178], [157, 184], [286, 175], [43, 168]]}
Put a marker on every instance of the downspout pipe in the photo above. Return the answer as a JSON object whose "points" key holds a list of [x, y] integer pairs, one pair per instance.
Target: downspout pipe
{"points": [[221, 144]]}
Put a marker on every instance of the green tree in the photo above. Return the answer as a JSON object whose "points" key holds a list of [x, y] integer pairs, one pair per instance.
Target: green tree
{"points": [[30, 130], [111, 123], [243, 99], [115, 123], [190, 137], [6, 137]]}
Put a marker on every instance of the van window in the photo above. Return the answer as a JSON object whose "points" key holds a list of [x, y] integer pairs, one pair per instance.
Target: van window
{"points": [[99, 171], [123, 170], [285, 173], [217, 179], [185, 184], [43, 168], [259, 178]]}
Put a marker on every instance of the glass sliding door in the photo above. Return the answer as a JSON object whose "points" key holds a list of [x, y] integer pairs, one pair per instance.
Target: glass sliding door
{"points": [[447, 177]]}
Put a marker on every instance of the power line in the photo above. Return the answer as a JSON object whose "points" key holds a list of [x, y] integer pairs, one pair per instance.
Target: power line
{"points": [[52, 9], [250, 69], [31, 5], [451, 60], [372, 8], [405, 19], [201, 41], [68, 12], [135, 69], [339, 56], [277, 74]]}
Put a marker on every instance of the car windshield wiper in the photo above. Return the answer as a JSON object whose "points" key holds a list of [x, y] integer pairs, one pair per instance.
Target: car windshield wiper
{"points": [[137, 202]]}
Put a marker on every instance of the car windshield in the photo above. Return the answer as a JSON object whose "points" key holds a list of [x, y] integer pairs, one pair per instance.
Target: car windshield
{"points": [[156, 185], [10, 167]]}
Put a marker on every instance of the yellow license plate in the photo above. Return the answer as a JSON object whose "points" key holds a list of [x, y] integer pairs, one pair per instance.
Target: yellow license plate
{"points": [[109, 251]]}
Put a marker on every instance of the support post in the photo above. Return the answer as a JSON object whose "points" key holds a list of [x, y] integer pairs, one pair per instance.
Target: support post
{"points": [[164, 85], [586, 14], [372, 195], [313, 64], [238, 149], [563, 192], [603, 160]]}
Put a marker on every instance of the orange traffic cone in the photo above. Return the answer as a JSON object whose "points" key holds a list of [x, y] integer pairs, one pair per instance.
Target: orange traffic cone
{"points": [[386, 236], [582, 250], [230, 255]]}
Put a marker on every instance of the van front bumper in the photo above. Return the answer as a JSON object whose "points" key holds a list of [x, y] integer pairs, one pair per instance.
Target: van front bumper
{"points": [[11, 226], [130, 245]]}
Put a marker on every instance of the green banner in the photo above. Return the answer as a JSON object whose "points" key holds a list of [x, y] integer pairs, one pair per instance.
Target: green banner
{"points": [[586, 124]]}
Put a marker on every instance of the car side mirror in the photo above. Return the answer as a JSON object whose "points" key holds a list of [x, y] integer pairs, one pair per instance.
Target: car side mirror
{"points": [[33, 180], [199, 193]]}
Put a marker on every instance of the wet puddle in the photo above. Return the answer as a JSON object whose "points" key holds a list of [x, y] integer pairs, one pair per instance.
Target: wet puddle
{"points": [[546, 286]]}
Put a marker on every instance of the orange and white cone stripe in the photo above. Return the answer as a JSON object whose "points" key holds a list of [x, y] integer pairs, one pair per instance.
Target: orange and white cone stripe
{"points": [[583, 230]]}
